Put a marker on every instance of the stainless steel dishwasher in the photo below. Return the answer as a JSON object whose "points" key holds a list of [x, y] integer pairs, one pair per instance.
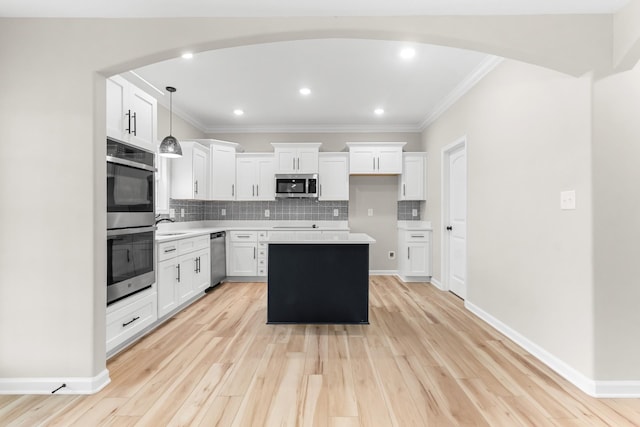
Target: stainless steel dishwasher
{"points": [[218, 258]]}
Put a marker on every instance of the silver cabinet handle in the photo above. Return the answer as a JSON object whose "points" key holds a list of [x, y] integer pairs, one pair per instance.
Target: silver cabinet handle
{"points": [[135, 125], [408, 253], [195, 186], [320, 190], [128, 129], [178, 267], [417, 235], [294, 164], [195, 265], [257, 190], [166, 251], [298, 163], [378, 163], [233, 189], [374, 163], [254, 253], [253, 190], [404, 189], [243, 236], [130, 321]]}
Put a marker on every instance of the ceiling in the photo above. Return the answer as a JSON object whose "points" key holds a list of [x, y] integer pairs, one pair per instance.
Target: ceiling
{"points": [[348, 79]]}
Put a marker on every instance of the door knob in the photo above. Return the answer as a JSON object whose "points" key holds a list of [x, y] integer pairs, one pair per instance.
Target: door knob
{"points": [[449, 228]]}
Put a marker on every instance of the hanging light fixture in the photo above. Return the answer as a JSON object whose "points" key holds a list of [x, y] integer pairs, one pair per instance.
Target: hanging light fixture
{"points": [[170, 147]]}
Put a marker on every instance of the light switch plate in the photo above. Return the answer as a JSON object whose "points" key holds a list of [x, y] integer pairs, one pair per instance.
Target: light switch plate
{"points": [[568, 200], [414, 212], [181, 212], [336, 212], [223, 212], [172, 213], [267, 213], [369, 212]]}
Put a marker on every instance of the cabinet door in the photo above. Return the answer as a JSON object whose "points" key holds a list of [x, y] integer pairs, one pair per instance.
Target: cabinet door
{"points": [[186, 275], [242, 259], [245, 179], [307, 160], [202, 277], [417, 259], [200, 174], [333, 173], [362, 160], [223, 173], [286, 160], [413, 182], [389, 160], [143, 119], [265, 183], [117, 88], [167, 286]]}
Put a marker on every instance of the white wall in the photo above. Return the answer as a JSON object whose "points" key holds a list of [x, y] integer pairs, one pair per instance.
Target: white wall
{"points": [[529, 263], [616, 169]]}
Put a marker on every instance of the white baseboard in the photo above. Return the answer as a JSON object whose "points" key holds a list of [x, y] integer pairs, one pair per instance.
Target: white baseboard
{"points": [[383, 272], [414, 279], [437, 284], [73, 385], [620, 389]]}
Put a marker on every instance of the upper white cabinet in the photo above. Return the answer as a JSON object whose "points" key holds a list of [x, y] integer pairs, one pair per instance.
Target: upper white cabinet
{"points": [[296, 157], [375, 158], [413, 181], [131, 114], [255, 176], [333, 173], [189, 173], [222, 170]]}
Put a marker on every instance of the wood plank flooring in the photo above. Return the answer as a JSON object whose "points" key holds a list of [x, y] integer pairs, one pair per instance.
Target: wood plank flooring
{"points": [[423, 361]]}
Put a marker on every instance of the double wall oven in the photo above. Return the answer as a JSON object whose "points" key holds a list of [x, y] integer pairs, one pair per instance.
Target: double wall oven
{"points": [[130, 220]]}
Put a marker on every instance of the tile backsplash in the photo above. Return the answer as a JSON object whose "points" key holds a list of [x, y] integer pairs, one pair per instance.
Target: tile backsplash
{"points": [[279, 210]]}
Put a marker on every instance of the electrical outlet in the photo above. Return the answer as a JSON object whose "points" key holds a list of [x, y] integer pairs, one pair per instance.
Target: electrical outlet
{"points": [[392, 255], [568, 200], [267, 213], [223, 212], [414, 212], [172, 213], [182, 213], [369, 212], [336, 212]]}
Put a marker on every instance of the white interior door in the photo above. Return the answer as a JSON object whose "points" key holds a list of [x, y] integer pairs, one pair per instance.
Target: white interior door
{"points": [[456, 220]]}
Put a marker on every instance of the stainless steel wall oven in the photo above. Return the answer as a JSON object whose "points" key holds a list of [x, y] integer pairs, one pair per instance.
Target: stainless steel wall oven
{"points": [[130, 220]]}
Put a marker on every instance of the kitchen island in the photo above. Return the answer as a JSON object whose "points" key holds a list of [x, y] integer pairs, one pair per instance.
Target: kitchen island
{"points": [[318, 278]]}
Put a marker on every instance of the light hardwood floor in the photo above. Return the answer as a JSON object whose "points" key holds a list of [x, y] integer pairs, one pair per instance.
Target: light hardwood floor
{"points": [[423, 361]]}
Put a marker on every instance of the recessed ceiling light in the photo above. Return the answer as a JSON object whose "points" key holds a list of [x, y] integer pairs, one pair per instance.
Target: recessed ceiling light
{"points": [[187, 55], [238, 112], [407, 53], [378, 111], [305, 91]]}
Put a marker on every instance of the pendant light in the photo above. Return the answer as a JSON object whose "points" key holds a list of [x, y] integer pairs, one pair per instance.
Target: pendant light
{"points": [[170, 147]]}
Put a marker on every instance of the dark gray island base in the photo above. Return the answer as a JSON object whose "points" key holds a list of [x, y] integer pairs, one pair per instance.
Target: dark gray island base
{"points": [[318, 283]]}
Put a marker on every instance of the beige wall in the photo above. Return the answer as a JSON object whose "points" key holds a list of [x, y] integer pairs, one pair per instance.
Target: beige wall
{"points": [[616, 170], [529, 263], [181, 129]]}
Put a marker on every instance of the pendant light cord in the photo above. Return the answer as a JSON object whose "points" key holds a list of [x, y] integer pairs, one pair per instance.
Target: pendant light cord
{"points": [[171, 113]]}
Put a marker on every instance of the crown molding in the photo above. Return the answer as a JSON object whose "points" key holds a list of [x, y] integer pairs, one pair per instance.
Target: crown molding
{"points": [[484, 68], [315, 129]]}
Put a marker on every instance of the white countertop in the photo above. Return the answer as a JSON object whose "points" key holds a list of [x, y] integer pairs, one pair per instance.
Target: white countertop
{"points": [[180, 230], [415, 225], [320, 238]]}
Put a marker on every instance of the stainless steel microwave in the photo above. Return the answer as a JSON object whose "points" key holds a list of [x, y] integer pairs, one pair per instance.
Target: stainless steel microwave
{"points": [[296, 185]]}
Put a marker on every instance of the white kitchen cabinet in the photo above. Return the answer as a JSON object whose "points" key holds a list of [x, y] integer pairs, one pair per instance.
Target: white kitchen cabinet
{"points": [[413, 181], [131, 114], [189, 173], [375, 158], [333, 174], [222, 167], [414, 254], [183, 272], [247, 253], [255, 176], [296, 157], [129, 317]]}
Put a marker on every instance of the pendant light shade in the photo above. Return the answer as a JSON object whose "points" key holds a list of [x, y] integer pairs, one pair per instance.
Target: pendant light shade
{"points": [[170, 147]]}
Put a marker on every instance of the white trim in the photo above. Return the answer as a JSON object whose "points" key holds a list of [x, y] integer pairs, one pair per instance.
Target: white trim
{"points": [[413, 279], [45, 385], [626, 389], [437, 284], [347, 128], [383, 272], [485, 67]]}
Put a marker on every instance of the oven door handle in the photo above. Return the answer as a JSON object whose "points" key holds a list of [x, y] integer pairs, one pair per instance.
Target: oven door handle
{"points": [[131, 163], [125, 231]]}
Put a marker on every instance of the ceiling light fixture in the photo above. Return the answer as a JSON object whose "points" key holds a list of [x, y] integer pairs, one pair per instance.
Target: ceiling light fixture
{"points": [[407, 53], [305, 91], [378, 111], [238, 112], [170, 147], [187, 55]]}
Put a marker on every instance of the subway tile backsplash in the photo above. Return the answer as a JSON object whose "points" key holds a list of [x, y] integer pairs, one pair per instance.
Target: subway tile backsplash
{"points": [[279, 210]]}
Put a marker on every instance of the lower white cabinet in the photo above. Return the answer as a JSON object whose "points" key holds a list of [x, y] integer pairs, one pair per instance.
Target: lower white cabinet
{"points": [[128, 317], [247, 253], [184, 271], [414, 254]]}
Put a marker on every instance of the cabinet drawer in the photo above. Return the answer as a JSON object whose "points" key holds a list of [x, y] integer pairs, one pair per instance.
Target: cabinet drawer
{"points": [[417, 236], [262, 271], [127, 321], [262, 235], [262, 263], [192, 244], [243, 236], [167, 250], [262, 252]]}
